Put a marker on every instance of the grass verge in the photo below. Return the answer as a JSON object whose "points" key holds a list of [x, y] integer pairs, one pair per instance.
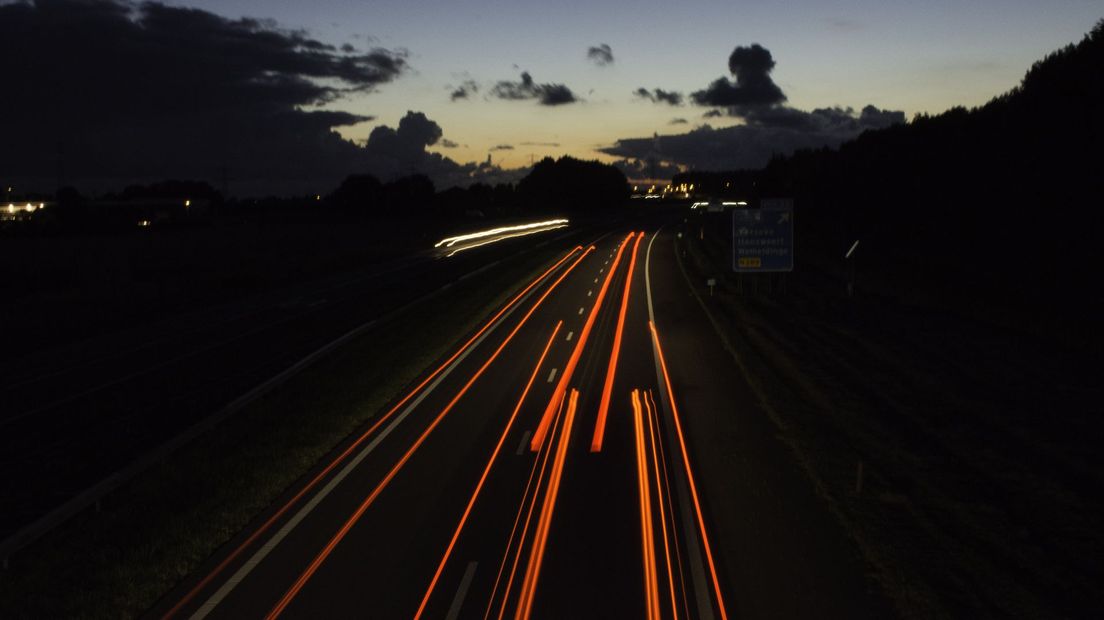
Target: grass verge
{"points": [[980, 484], [118, 561]]}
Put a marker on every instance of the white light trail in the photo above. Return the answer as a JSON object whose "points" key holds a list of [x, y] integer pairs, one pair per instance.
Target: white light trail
{"points": [[503, 238], [448, 242]]}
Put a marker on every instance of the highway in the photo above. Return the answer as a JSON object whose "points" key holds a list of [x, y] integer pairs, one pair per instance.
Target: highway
{"points": [[76, 414], [589, 452]]}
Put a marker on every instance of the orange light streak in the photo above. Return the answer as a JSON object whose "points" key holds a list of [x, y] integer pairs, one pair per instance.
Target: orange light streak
{"points": [[486, 472], [653, 435], [341, 533], [667, 485], [203, 583], [547, 450], [689, 474], [611, 372], [540, 537], [573, 361], [647, 536]]}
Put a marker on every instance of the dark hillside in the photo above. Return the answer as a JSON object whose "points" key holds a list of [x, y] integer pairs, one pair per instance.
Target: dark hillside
{"points": [[998, 205]]}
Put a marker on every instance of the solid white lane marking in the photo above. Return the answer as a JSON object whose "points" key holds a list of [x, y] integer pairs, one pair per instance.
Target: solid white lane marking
{"points": [[524, 443], [569, 335], [552, 375], [461, 592], [292, 523], [580, 310], [697, 562], [648, 286]]}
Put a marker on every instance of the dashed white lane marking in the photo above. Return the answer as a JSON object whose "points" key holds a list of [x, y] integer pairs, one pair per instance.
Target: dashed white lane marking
{"points": [[580, 310], [596, 280], [589, 292], [524, 443], [569, 335], [552, 375], [461, 592], [265, 549]]}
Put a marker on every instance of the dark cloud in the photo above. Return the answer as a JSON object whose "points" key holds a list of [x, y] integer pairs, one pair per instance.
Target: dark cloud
{"points": [[503, 147], [540, 143], [678, 121], [465, 90], [769, 126], [659, 96], [753, 85], [395, 152], [872, 117], [448, 144], [526, 88], [768, 131], [641, 170], [600, 54], [123, 92]]}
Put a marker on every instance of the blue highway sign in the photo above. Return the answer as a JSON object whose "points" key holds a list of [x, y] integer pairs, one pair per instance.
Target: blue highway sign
{"points": [[762, 239]]}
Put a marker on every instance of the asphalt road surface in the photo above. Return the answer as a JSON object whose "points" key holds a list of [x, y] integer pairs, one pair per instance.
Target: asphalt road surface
{"points": [[591, 452], [72, 415]]}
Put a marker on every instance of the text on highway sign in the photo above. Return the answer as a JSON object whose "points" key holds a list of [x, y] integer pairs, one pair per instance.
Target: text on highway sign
{"points": [[762, 239]]}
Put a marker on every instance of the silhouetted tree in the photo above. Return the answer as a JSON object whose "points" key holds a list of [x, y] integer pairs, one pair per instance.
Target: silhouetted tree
{"points": [[1001, 198], [573, 184], [409, 196], [359, 192]]}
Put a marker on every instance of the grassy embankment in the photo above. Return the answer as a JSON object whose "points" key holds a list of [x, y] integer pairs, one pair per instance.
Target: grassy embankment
{"points": [[151, 533], [980, 485], [64, 287]]}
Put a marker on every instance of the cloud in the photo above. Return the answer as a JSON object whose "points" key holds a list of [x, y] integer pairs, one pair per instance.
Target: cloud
{"points": [[678, 121], [125, 92], [526, 88], [395, 152], [843, 24], [640, 170], [769, 126], [600, 55], [768, 131], [448, 144], [659, 96], [502, 147], [753, 84], [465, 90], [540, 143]]}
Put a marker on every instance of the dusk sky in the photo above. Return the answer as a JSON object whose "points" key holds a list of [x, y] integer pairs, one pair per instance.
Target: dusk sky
{"points": [[251, 91], [897, 55]]}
